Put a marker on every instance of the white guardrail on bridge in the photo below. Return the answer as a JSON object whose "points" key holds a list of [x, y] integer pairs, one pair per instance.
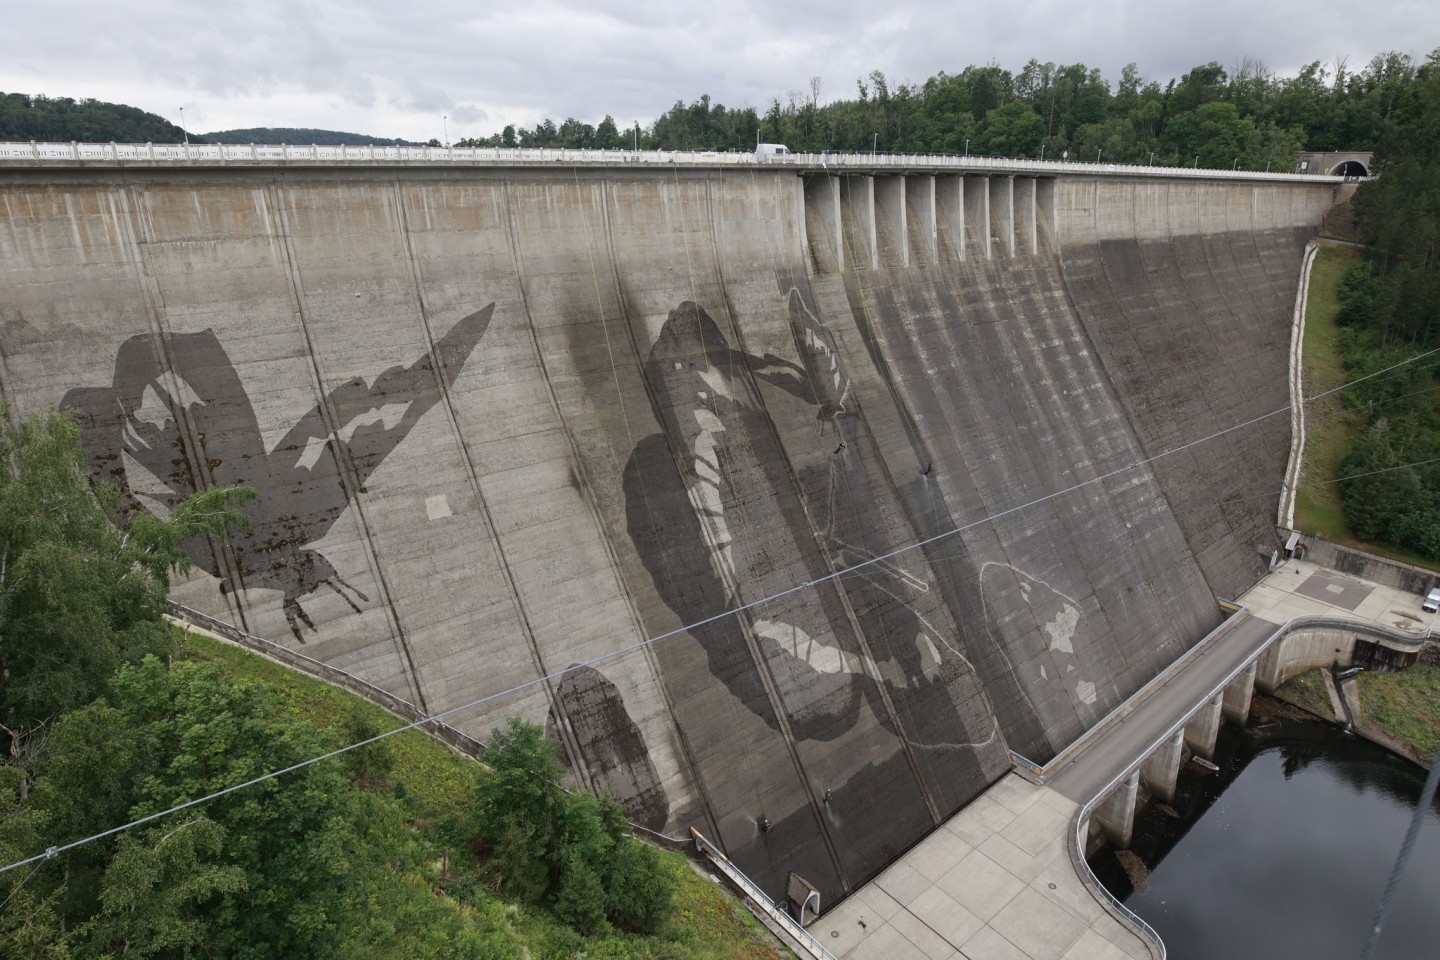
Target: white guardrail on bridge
{"points": [[205, 154]]}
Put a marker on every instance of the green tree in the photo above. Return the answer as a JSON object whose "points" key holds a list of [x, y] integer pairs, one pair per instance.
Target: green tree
{"points": [[1013, 129], [79, 596]]}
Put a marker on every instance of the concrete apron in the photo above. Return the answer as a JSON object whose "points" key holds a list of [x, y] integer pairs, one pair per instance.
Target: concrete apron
{"points": [[999, 881]]}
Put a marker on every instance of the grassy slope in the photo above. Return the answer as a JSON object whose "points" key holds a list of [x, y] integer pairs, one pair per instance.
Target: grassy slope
{"points": [[1329, 429], [1405, 703], [707, 922]]}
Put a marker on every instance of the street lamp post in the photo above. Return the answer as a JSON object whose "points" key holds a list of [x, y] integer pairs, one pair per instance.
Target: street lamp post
{"points": [[1197, 161], [874, 144], [1098, 151], [183, 132], [445, 126], [967, 146], [1152, 158], [1042, 151]]}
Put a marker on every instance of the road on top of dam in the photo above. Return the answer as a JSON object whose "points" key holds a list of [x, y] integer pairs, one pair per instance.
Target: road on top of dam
{"points": [[999, 880]]}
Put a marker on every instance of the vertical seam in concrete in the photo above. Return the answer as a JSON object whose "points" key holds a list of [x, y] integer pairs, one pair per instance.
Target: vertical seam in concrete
{"points": [[347, 469], [777, 703], [225, 560], [809, 787], [840, 593], [498, 550], [588, 495], [697, 777]]}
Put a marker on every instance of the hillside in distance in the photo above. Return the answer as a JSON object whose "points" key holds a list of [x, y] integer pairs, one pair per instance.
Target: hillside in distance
{"points": [[305, 136], [37, 117]]}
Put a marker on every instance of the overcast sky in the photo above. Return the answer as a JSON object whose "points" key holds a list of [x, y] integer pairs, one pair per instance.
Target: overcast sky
{"points": [[396, 68]]}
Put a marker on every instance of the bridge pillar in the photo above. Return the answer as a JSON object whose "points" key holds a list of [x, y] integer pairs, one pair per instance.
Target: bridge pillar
{"points": [[1204, 728], [860, 191], [1237, 696], [1002, 212], [921, 193], [890, 204], [1163, 768], [823, 193], [1116, 815], [1047, 216], [950, 197], [977, 211], [1025, 215]]}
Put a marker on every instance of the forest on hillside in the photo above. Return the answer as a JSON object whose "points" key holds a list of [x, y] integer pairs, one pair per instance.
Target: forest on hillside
{"points": [[304, 136], [1243, 116], [24, 117], [1390, 314]]}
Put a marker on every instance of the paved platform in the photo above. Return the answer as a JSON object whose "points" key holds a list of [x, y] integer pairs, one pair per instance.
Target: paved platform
{"points": [[994, 883], [1299, 587]]}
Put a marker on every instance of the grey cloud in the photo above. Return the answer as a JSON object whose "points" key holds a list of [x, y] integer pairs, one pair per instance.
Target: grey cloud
{"points": [[386, 65]]}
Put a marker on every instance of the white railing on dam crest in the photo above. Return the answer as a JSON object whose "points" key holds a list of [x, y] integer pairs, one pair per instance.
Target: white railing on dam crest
{"points": [[144, 154]]}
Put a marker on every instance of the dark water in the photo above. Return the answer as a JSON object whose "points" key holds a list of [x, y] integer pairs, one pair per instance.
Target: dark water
{"points": [[1284, 853]]}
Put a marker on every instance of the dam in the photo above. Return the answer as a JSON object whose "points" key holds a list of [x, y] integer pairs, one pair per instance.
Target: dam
{"points": [[792, 499]]}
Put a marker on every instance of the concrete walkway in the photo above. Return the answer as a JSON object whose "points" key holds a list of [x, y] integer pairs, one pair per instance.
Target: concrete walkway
{"points": [[994, 883], [997, 882]]}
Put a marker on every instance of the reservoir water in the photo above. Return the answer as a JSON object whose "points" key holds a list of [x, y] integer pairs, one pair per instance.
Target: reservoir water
{"points": [[1285, 851]]}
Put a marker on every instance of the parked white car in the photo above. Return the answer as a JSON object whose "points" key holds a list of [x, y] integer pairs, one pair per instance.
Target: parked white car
{"points": [[1432, 602]]}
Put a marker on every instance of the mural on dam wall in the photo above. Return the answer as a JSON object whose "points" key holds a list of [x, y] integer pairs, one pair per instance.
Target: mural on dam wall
{"points": [[507, 426], [705, 519], [172, 425]]}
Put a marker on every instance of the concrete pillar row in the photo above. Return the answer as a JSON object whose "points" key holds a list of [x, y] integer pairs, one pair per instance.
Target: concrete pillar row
{"points": [[921, 194], [1204, 728], [977, 211], [860, 190], [950, 197], [1116, 815], [1026, 237], [824, 193], [889, 198], [1237, 695], [1161, 771], [1047, 214], [1002, 212]]}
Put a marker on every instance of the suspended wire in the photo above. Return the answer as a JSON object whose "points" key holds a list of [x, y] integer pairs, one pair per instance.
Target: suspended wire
{"points": [[641, 644], [47, 855], [1422, 809]]}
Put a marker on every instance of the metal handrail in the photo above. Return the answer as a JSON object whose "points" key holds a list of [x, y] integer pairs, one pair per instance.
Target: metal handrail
{"points": [[803, 937], [267, 154], [1082, 819]]}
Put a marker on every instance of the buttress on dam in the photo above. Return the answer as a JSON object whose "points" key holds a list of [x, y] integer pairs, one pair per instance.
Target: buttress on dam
{"points": [[506, 422]]}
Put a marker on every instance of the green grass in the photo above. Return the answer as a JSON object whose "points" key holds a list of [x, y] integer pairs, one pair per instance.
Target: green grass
{"points": [[1308, 692], [1406, 703], [438, 779], [1329, 428], [706, 924]]}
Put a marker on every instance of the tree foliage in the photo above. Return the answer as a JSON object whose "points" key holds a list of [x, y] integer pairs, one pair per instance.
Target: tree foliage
{"points": [[568, 850], [25, 117], [1388, 308], [79, 596]]}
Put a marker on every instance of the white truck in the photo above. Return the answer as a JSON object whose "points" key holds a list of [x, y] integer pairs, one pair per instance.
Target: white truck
{"points": [[771, 151]]}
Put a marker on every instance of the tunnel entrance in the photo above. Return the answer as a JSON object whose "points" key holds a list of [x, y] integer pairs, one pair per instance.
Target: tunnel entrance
{"points": [[1350, 169]]}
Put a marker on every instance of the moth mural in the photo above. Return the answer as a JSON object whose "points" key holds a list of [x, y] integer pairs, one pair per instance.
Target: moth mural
{"points": [[179, 420], [716, 536]]}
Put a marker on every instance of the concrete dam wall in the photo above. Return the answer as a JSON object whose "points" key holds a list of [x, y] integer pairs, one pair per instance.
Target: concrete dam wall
{"points": [[508, 424]]}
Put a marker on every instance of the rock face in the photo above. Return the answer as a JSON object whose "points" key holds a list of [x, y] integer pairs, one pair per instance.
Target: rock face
{"points": [[508, 424]]}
